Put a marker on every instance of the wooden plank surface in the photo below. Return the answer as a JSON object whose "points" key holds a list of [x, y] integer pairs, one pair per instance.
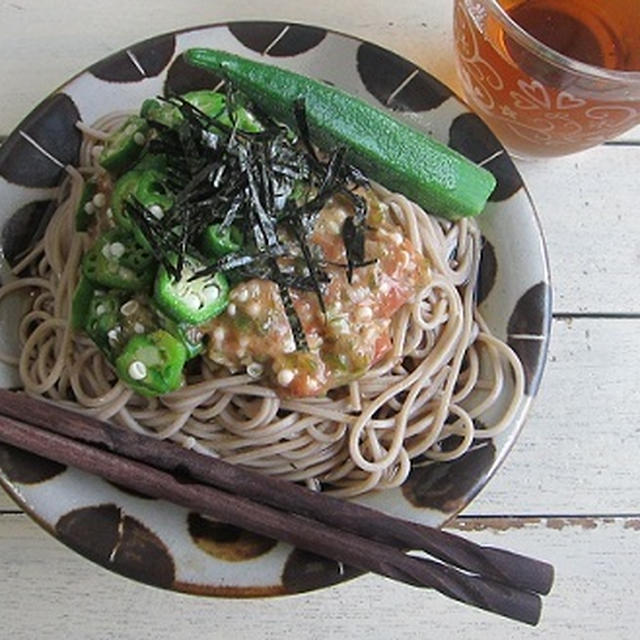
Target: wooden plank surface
{"points": [[36, 33], [587, 205], [577, 453], [596, 562]]}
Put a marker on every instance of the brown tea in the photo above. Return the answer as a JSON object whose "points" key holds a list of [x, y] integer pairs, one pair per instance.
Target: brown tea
{"points": [[603, 34], [535, 105]]}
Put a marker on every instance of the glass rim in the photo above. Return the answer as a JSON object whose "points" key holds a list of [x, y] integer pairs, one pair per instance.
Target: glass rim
{"points": [[555, 57]]}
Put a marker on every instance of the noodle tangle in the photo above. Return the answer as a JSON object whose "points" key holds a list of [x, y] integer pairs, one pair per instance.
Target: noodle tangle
{"points": [[426, 400]]}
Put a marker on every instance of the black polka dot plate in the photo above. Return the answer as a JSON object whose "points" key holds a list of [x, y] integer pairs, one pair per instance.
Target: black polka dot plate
{"points": [[167, 546]]}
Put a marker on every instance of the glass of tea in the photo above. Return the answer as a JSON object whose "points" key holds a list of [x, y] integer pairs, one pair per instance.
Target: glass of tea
{"points": [[550, 77]]}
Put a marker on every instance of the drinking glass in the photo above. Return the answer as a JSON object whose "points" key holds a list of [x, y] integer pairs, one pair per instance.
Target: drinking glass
{"points": [[537, 99]]}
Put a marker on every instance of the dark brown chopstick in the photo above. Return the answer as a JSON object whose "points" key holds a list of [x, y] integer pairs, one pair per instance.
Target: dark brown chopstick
{"points": [[305, 532], [502, 566], [302, 532]]}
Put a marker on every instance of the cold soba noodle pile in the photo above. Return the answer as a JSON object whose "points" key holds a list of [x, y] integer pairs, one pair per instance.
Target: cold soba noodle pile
{"points": [[419, 395]]}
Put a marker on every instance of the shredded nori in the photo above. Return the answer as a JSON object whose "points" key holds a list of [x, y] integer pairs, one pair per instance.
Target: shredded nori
{"points": [[270, 184]]}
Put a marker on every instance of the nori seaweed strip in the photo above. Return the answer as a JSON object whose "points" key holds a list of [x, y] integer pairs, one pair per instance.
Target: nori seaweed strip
{"points": [[307, 215], [232, 211], [195, 115], [252, 265], [265, 222], [300, 113], [256, 181], [286, 161], [294, 321], [353, 238], [353, 233], [359, 204], [192, 157], [197, 179], [285, 168], [312, 266], [356, 176], [234, 261], [299, 336], [184, 239], [157, 240], [271, 127], [192, 113], [288, 171], [333, 170], [230, 103], [217, 178], [263, 181], [176, 181]]}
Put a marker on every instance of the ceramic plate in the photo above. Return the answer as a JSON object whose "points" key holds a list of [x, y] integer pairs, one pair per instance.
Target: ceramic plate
{"points": [[167, 546]]}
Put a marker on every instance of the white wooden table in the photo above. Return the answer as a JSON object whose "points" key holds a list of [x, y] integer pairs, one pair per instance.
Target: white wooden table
{"points": [[570, 490]]}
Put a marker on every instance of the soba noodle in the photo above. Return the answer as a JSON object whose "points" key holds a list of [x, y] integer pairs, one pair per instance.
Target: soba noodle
{"points": [[426, 400]]}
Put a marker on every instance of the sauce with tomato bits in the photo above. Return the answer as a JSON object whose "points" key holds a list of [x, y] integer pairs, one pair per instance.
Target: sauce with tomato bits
{"points": [[254, 331]]}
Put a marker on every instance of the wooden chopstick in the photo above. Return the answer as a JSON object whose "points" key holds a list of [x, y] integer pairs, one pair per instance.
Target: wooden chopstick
{"points": [[500, 565], [136, 462]]}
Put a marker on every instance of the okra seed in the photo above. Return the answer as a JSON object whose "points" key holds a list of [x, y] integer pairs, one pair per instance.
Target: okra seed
{"points": [[139, 138], [99, 200], [192, 301], [211, 293], [116, 249], [89, 209], [97, 150], [112, 335], [255, 369], [243, 342], [156, 211], [138, 327], [100, 309], [231, 309], [137, 370], [218, 334], [109, 213], [285, 377], [129, 308]]}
